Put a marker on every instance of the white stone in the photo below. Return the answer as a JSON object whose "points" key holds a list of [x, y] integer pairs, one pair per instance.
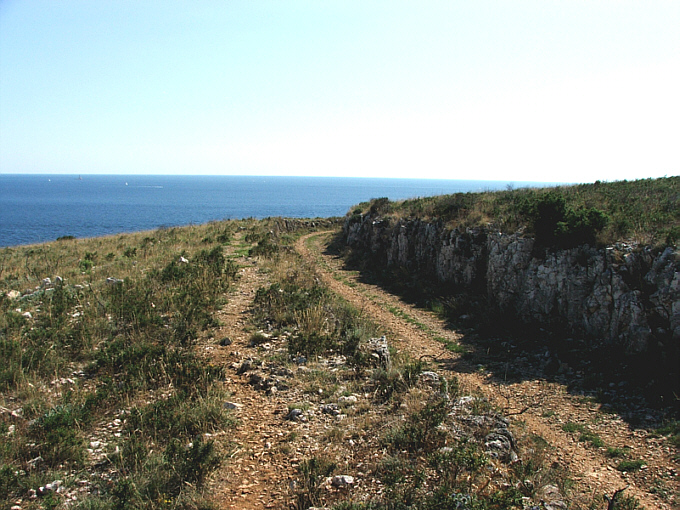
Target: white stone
{"points": [[342, 481]]}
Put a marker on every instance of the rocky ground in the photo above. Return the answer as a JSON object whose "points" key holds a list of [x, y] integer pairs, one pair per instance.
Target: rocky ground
{"points": [[269, 443]]}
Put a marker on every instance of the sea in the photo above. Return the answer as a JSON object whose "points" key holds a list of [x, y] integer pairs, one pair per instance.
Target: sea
{"points": [[40, 208]]}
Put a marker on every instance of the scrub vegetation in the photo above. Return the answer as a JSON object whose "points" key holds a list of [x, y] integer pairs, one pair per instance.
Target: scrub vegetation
{"points": [[106, 403], [644, 211], [95, 335]]}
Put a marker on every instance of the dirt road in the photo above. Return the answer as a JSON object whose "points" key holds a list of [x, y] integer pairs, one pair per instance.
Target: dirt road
{"points": [[264, 449], [546, 407]]}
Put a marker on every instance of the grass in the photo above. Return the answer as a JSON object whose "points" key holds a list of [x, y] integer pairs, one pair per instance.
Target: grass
{"points": [[573, 427], [615, 453], [585, 435], [645, 211], [630, 465], [450, 345], [429, 464], [121, 324], [112, 334]]}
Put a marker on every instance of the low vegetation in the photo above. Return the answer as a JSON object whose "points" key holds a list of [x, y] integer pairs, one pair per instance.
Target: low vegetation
{"points": [[643, 211], [104, 402], [433, 458]]}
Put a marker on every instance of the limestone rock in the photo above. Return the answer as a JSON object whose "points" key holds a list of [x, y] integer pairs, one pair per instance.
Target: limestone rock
{"points": [[380, 351], [342, 481], [599, 293], [551, 498], [296, 415]]}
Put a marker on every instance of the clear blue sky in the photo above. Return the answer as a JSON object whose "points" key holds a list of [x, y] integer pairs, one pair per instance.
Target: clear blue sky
{"points": [[541, 90]]}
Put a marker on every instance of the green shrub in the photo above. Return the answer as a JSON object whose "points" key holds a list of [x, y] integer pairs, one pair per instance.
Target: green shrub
{"points": [[56, 436], [630, 465], [86, 265], [379, 206], [617, 452], [190, 464], [312, 473], [592, 438], [558, 225], [465, 459], [420, 432], [563, 216], [265, 248]]}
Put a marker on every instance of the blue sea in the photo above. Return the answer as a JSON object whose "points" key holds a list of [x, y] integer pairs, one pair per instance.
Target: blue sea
{"points": [[40, 208]]}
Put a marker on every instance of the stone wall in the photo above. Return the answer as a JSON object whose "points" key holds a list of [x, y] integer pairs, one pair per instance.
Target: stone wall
{"points": [[622, 295]]}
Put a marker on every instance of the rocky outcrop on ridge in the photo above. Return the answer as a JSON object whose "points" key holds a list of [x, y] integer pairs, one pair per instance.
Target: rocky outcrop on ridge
{"points": [[623, 295]]}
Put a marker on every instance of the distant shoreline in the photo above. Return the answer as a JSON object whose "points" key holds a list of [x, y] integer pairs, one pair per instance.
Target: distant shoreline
{"points": [[42, 207]]}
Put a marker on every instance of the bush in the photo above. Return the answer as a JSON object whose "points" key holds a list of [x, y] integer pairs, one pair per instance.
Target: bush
{"points": [[557, 225], [420, 433], [313, 472], [630, 465], [56, 436], [9, 482], [380, 206]]}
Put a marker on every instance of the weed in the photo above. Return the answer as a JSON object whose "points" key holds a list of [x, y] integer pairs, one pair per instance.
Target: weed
{"points": [[258, 338], [615, 453], [304, 406], [132, 334], [9, 481], [630, 465], [312, 472], [573, 427], [592, 438], [464, 459], [672, 430], [57, 437], [334, 435], [621, 502], [420, 432]]}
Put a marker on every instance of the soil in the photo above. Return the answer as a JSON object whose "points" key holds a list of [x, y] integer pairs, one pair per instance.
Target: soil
{"points": [[264, 449]]}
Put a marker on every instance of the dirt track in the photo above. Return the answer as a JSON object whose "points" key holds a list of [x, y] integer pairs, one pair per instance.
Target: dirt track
{"points": [[594, 473], [262, 459]]}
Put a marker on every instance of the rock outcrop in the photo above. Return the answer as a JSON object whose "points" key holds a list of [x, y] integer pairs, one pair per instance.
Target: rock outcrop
{"points": [[623, 295]]}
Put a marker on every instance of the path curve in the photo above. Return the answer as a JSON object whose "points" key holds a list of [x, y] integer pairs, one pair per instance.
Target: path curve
{"points": [[550, 406]]}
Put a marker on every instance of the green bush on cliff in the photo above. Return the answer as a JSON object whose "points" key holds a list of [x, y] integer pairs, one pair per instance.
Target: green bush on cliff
{"points": [[644, 211], [557, 224]]}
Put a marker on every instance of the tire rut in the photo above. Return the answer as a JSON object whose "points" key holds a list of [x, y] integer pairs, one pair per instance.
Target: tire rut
{"points": [[537, 407], [256, 474]]}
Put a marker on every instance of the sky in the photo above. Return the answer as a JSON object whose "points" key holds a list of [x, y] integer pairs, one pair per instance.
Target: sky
{"points": [[545, 90]]}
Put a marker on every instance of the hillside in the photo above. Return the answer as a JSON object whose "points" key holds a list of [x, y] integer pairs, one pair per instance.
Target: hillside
{"points": [[231, 365], [645, 212]]}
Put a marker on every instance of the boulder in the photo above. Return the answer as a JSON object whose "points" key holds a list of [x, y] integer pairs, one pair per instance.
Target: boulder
{"points": [[380, 352], [14, 294]]}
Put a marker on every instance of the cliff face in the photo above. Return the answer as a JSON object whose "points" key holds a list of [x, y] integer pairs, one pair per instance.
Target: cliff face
{"points": [[620, 295]]}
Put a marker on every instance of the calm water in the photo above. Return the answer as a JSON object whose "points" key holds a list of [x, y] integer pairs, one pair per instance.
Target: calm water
{"points": [[39, 208]]}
